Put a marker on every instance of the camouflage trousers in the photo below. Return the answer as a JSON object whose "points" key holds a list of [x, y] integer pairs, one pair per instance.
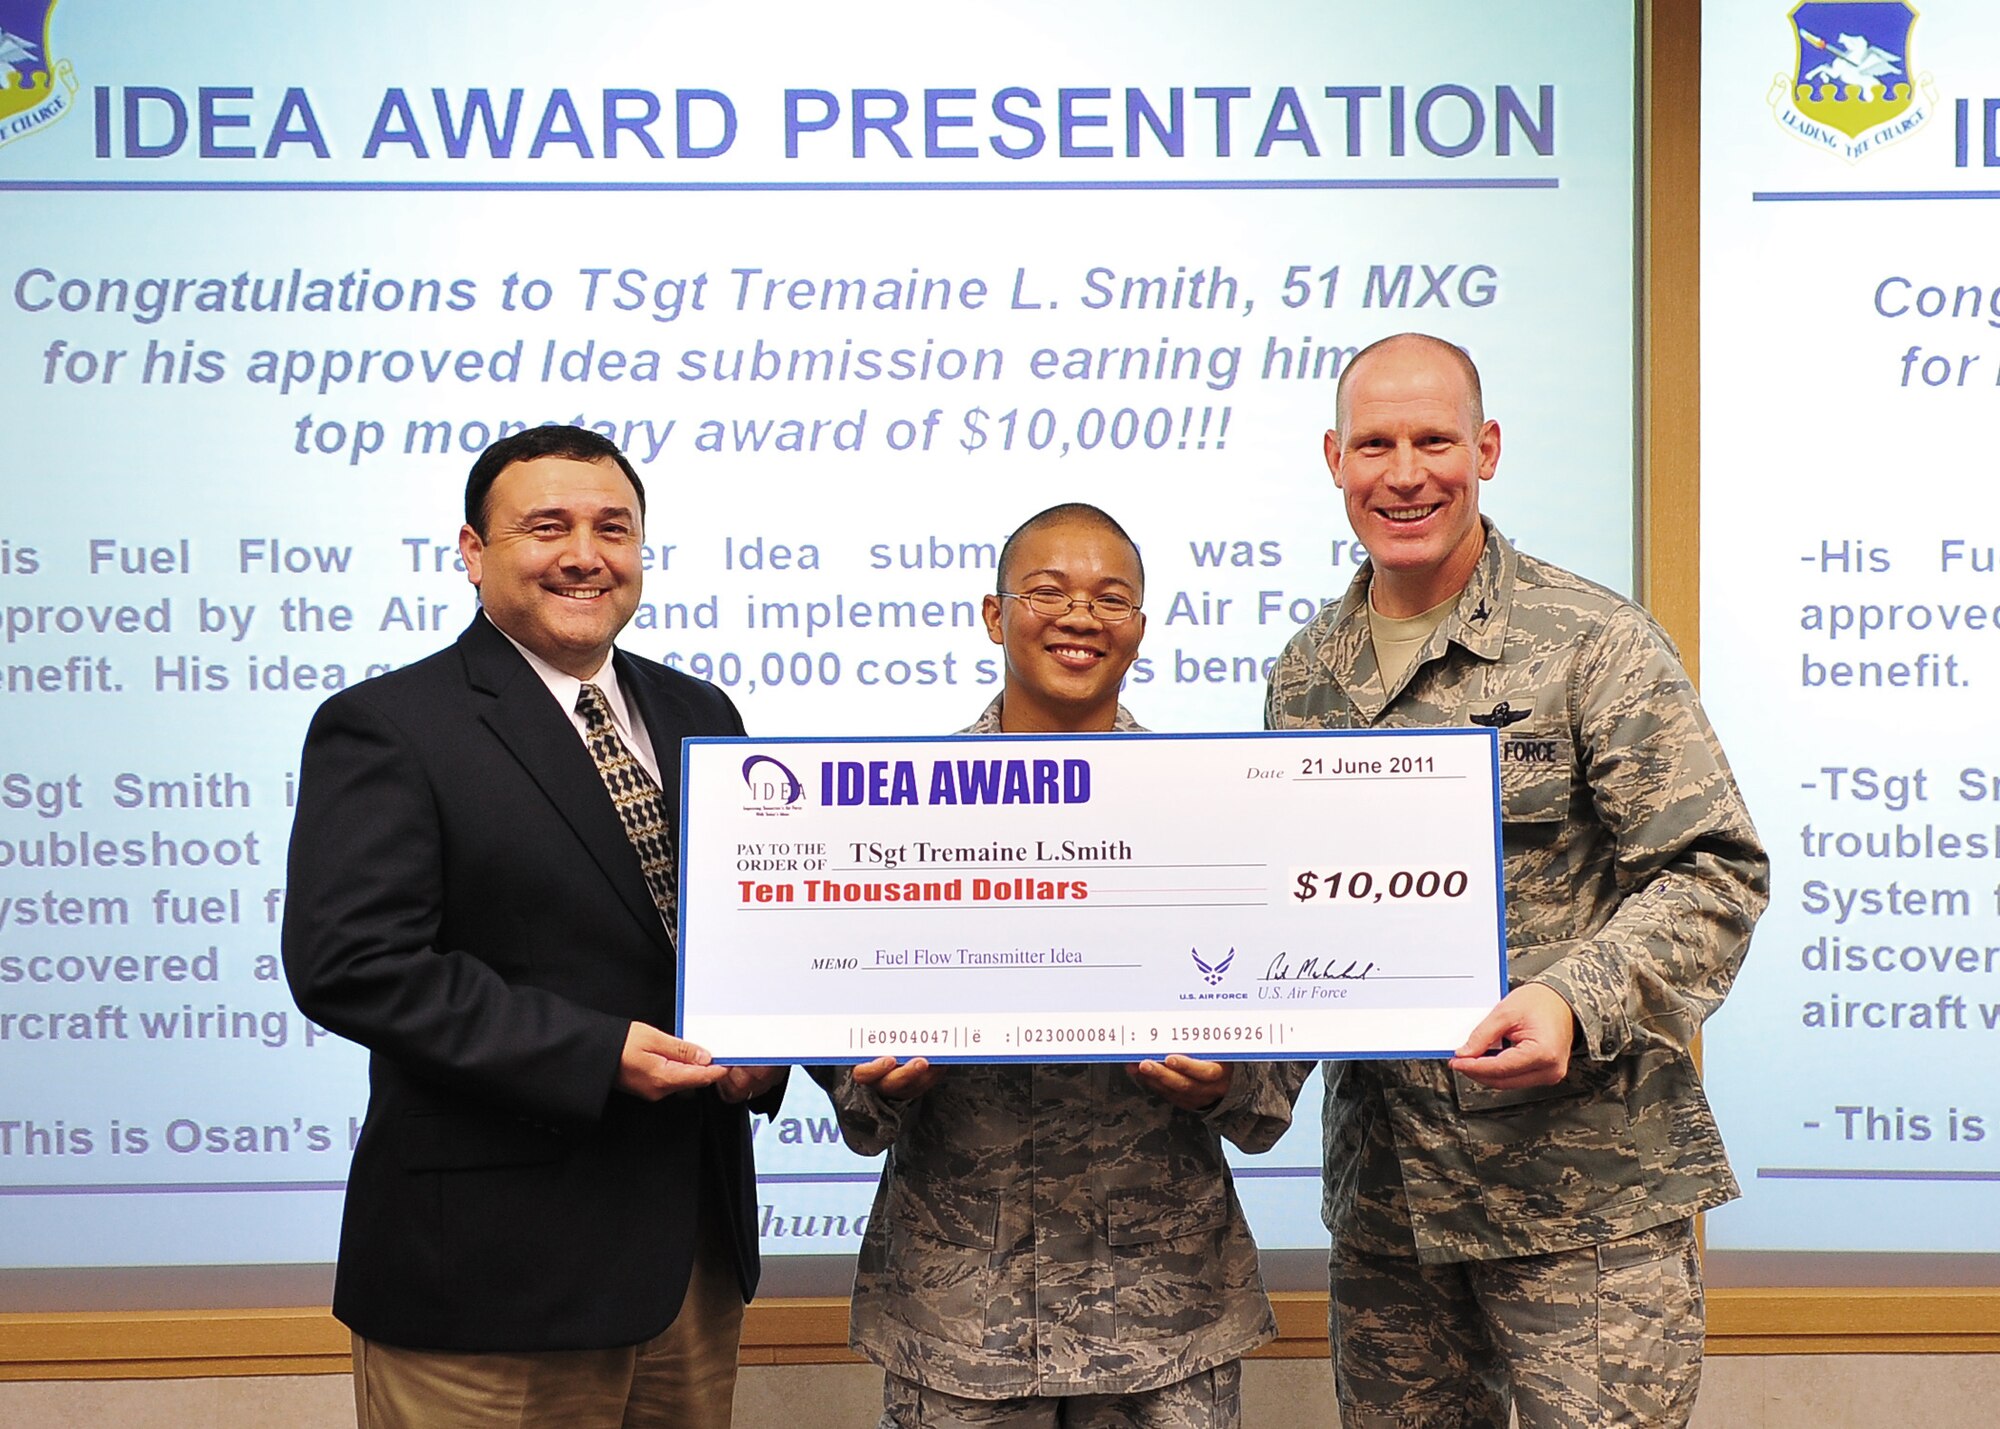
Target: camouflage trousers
{"points": [[1606, 1335], [1209, 1400]]}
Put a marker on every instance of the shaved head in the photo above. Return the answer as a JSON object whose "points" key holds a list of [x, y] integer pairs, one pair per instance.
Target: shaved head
{"points": [[1451, 350], [1070, 513]]}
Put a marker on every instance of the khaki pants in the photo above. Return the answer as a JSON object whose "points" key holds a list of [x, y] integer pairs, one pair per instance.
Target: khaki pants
{"points": [[682, 1378]]}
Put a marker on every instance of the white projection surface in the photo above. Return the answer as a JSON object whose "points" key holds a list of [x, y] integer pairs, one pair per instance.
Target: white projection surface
{"points": [[858, 287], [1850, 605]]}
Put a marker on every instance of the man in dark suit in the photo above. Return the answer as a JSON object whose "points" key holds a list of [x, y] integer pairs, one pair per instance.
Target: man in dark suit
{"points": [[550, 1216]]}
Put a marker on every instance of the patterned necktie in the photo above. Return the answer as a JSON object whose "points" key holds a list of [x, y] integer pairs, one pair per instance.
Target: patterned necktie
{"points": [[641, 809]]}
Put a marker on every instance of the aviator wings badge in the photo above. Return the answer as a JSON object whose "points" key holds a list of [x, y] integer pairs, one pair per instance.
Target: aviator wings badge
{"points": [[1501, 715]]}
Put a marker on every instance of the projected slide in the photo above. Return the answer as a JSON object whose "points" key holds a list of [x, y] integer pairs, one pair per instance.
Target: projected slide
{"points": [[858, 288], [1850, 614]]}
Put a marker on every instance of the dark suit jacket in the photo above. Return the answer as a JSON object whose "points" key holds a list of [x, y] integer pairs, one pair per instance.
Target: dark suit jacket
{"points": [[464, 903]]}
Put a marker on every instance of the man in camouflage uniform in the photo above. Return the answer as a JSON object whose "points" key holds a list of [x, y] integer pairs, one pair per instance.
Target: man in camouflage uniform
{"points": [[1514, 1228], [1061, 1245]]}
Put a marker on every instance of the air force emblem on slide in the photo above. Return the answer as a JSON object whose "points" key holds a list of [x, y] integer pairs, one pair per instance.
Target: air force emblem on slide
{"points": [[1852, 88], [36, 88]]}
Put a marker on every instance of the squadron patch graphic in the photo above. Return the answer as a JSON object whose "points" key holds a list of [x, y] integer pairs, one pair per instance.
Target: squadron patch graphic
{"points": [[36, 89], [1852, 89]]}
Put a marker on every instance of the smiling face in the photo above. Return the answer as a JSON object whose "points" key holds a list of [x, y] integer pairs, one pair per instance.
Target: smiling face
{"points": [[1408, 460], [558, 568], [1063, 671]]}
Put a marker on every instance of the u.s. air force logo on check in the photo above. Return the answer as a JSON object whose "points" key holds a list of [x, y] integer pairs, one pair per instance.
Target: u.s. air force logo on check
{"points": [[1852, 88], [1212, 971], [36, 88]]}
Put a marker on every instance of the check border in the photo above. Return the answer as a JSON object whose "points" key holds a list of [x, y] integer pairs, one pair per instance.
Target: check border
{"points": [[688, 851]]}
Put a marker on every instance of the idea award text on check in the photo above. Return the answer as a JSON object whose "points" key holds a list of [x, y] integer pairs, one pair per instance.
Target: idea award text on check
{"points": [[1062, 898]]}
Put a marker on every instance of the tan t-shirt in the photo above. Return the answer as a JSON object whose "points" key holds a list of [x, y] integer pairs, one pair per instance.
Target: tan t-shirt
{"points": [[1398, 642]]}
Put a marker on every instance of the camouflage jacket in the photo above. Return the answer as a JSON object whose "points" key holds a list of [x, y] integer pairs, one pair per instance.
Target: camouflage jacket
{"points": [[1050, 1230], [1633, 877]]}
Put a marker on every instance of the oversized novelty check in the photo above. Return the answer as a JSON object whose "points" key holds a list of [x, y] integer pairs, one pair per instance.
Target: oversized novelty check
{"points": [[1061, 898]]}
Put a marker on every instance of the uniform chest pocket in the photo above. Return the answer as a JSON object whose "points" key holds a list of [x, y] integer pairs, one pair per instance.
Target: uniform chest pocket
{"points": [[963, 1217], [1166, 1211], [1537, 773]]}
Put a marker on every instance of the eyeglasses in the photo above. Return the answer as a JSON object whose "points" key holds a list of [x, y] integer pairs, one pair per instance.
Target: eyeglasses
{"points": [[1053, 604]]}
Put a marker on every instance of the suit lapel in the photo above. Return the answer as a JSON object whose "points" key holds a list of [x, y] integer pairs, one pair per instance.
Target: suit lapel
{"points": [[538, 734]]}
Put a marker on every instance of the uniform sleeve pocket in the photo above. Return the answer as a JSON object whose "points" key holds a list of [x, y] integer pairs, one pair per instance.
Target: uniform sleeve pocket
{"points": [[1166, 1211], [1584, 1077], [1474, 1097]]}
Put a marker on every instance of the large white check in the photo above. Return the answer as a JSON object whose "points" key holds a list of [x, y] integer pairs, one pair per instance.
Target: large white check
{"points": [[1054, 898]]}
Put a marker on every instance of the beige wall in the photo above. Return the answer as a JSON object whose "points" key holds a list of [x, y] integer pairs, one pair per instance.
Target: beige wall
{"points": [[1740, 1392]]}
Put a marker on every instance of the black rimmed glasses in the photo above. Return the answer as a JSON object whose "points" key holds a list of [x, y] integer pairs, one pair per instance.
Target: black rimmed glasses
{"points": [[1052, 604]]}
